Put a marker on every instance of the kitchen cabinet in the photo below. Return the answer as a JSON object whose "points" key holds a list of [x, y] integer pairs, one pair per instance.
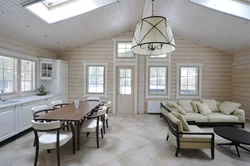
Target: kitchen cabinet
{"points": [[8, 122], [25, 116], [46, 69], [15, 119]]}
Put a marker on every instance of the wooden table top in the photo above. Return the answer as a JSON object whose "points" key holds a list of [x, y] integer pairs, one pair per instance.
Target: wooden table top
{"points": [[69, 112]]}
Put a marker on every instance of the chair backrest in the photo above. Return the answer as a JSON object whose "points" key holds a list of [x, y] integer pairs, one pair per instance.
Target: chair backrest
{"points": [[102, 111], [108, 104], [39, 108], [174, 124], [56, 102], [93, 98], [45, 126]]}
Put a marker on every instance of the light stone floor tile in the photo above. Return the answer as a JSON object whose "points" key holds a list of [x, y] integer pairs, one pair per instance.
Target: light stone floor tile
{"points": [[130, 140]]}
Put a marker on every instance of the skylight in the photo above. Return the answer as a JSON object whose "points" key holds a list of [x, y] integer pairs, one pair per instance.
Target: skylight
{"points": [[238, 8], [56, 10]]}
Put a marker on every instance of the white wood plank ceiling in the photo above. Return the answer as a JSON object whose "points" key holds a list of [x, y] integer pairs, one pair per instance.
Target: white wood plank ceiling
{"points": [[189, 21]]}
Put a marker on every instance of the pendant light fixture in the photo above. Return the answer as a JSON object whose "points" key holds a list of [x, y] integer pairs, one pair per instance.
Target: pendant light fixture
{"points": [[153, 36]]}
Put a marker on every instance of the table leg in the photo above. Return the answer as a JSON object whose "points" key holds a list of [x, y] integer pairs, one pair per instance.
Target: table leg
{"points": [[236, 146], [226, 144], [78, 135], [244, 148]]}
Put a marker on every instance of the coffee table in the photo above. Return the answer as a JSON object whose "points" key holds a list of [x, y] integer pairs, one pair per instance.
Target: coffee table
{"points": [[235, 135]]}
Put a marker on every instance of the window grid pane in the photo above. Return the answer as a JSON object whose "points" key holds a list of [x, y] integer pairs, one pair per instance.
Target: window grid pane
{"points": [[125, 81], [7, 74], [28, 76], [95, 79], [157, 83], [189, 80], [124, 50]]}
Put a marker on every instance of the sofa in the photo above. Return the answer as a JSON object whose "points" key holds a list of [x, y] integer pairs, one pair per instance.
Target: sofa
{"points": [[184, 136], [216, 113]]}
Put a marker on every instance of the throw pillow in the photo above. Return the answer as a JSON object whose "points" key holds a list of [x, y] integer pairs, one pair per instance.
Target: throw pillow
{"points": [[194, 104], [183, 121], [186, 105], [228, 107], [211, 104], [171, 103], [180, 110], [204, 109]]}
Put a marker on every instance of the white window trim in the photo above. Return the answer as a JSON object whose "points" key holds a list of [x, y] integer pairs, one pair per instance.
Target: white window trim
{"points": [[85, 64], [178, 65], [123, 62], [17, 81], [34, 79], [161, 62]]}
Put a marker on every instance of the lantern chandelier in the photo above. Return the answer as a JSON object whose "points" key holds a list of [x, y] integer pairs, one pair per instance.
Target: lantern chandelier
{"points": [[153, 36]]}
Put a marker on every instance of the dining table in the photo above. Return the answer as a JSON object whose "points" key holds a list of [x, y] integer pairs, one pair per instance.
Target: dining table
{"points": [[72, 114]]}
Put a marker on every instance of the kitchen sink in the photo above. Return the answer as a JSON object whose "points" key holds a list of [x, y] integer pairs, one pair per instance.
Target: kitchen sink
{"points": [[7, 102]]}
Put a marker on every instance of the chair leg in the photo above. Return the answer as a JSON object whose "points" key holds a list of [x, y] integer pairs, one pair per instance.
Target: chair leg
{"points": [[34, 144], [102, 133], [104, 130], [73, 142], [167, 138], [212, 153], [161, 115], [37, 151], [97, 138], [87, 134], [177, 152], [107, 123], [48, 150], [58, 154]]}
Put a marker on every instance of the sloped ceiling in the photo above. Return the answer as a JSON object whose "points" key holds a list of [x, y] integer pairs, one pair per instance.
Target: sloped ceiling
{"points": [[189, 21]]}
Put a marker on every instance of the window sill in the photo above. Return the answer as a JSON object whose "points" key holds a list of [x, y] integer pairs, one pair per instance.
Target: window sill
{"points": [[158, 97], [97, 95]]}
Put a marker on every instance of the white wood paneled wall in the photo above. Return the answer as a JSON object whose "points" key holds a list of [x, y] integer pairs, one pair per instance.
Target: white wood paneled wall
{"points": [[15, 48], [217, 69], [241, 81]]}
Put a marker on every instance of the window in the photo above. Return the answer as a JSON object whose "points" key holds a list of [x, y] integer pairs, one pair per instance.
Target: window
{"points": [[124, 50], [157, 80], [159, 56], [189, 80], [7, 74], [28, 75], [56, 10], [95, 83], [125, 81]]}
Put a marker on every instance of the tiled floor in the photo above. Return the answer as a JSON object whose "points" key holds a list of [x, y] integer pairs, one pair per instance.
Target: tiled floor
{"points": [[130, 141]]}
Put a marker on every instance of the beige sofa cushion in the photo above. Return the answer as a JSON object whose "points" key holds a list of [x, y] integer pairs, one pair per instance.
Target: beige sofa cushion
{"points": [[195, 117], [228, 107], [177, 107], [194, 105], [186, 105], [170, 108], [176, 121], [219, 117], [192, 138], [211, 104], [204, 109], [183, 121]]}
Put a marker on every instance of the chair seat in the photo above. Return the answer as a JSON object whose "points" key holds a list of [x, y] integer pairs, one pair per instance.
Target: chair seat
{"points": [[195, 117], [195, 138], [47, 140], [90, 125]]}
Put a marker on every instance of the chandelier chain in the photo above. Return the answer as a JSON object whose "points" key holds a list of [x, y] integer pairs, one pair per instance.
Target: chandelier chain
{"points": [[152, 7]]}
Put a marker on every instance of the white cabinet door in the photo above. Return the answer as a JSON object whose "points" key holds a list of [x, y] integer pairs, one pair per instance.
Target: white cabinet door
{"points": [[8, 123], [25, 116]]}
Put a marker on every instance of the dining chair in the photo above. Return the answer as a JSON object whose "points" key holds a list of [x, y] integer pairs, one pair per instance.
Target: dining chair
{"points": [[38, 111], [58, 104], [50, 136], [94, 124], [93, 98]]}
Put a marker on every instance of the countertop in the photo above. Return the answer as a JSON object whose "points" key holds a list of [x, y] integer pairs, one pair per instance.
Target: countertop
{"points": [[26, 99]]}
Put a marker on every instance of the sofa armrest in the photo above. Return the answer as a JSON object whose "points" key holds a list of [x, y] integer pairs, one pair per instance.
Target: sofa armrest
{"points": [[240, 113], [164, 107]]}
